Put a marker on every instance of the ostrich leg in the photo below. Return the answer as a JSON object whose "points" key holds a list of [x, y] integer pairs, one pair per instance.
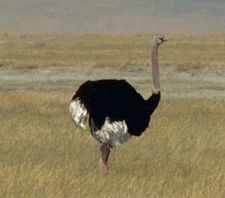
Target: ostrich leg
{"points": [[105, 151]]}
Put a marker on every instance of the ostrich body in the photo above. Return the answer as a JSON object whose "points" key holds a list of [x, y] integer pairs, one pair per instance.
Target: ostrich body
{"points": [[113, 108]]}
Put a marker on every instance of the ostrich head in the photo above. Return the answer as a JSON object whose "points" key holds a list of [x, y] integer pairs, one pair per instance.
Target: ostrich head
{"points": [[158, 40]]}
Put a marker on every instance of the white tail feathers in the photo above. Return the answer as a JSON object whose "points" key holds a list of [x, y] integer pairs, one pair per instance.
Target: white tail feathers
{"points": [[78, 113]]}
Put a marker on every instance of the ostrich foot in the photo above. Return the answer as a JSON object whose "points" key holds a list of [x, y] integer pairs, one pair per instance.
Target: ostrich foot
{"points": [[105, 151]]}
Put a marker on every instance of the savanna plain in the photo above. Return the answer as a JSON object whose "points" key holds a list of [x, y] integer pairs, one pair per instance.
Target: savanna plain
{"points": [[42, 154]]}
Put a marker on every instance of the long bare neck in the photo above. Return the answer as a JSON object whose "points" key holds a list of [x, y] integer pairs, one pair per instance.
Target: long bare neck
{"points": [[153, 101], [155, 69]]}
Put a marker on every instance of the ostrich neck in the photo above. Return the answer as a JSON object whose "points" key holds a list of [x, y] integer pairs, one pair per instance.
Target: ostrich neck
{"points": [[153, 101], [155, 69]]}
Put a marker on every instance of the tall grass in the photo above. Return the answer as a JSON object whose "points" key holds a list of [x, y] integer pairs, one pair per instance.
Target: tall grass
{"points": [[182, 51], [182, 154]]}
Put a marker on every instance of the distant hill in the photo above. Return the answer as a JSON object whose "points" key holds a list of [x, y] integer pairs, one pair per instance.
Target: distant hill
{"points": [[90, 16]]}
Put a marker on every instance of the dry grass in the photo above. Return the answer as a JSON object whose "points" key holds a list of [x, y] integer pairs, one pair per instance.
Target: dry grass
{"points": [[43, 155], [182, 51]]}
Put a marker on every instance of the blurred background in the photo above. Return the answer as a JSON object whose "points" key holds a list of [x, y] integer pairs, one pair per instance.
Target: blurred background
{"points": [[86, 16]]}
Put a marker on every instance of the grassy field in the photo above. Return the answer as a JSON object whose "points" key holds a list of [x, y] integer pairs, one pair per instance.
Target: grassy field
{"points": [[183, 51], [43, 155]]}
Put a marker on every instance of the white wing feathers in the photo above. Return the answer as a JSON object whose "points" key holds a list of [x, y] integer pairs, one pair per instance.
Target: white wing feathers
{"points": [[113, 133]]}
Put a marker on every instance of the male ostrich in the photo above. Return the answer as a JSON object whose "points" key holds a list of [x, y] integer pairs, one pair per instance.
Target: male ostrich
{"points": [[113, 108]]}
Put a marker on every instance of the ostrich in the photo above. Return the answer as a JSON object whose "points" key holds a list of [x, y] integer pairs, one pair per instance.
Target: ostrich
{"points": [[113, 108]]}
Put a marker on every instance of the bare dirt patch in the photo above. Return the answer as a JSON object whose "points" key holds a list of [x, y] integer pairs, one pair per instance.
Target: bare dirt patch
{"points": [[193, 83]]}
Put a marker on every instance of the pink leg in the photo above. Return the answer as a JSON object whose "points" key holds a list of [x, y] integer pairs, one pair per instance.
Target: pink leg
{"points": [[105, 151]]}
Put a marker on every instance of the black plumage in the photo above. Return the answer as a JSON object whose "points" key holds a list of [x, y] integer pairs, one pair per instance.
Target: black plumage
{"points": [[117, 100]]}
